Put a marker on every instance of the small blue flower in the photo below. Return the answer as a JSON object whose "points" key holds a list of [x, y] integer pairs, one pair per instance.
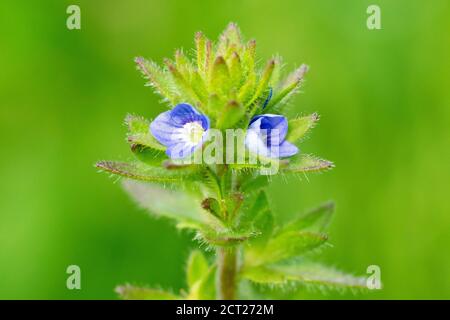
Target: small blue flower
{"points": [[266, 136], [181, 130]]}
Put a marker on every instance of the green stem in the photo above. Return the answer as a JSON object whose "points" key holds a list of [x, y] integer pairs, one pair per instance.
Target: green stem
{"points": [[227, 268]]}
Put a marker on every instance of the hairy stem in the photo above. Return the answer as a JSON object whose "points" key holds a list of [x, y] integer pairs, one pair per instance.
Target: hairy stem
{"points": [[227, 268]]}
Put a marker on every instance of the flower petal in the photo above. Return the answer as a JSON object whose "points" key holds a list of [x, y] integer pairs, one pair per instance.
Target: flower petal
{"points": [[180, 150], [256, 143], [184, 113], [287, 149], [162, 128], [272, 122], [266, 136]]}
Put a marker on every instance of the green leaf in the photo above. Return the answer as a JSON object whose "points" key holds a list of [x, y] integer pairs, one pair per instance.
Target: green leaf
{"points": [[233, 34], [235, 70], [263, 83], [179, 166], [317, 274], [220, 77], [141, 172], [197, 267], [224, 237], [275, 79], [139, 133], [230, 38], [265, 165], [248, 65], [249, 58], [314, 220], [209, 59], [247, 90], [285, 246], [264, 275], [245, 166], [205, 288], [288, 88], [308, 163], [254, 184], [129, 292], [215, 105], [300, 126], [183, 85], [181, 206], [260, 218], [213, 206], [199, 87], [307, 273], [157, 79], [148, 155], [232, 113], [200, 44], [183, 64], [211, 182]]}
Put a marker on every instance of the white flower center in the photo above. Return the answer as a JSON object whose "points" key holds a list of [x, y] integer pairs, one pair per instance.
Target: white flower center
{"points": [[192, 132]]}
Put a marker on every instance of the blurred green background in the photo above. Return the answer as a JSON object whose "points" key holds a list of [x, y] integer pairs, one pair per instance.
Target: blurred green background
{"points": [[383, 95]]}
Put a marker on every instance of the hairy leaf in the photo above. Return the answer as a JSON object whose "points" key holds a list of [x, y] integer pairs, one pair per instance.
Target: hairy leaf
{"points": [[199, 87], [129, 292], [285, 246], [138, 171], [308, 163], [300, 126], [254, 184], [158, 79], [230, 39], [248, 64], [306, 273], [139, 133], [314, 220], [197, 267], [213, 206], [224, 237], [205, 287], [177, 205], [211, 182], [200, 44], [183, 85], [263, 83], [232, 113], [249, 58], [276, 74], [148, 155], [289, 87], [141, 172], [235, 69], [259, 218], [220, 77], [183, 65]]}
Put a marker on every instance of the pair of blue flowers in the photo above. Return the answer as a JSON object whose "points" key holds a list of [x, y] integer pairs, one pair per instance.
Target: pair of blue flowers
{"points": [[183, 129]]}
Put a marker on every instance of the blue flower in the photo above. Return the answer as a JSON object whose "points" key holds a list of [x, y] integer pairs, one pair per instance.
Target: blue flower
{"points": [[266, 136], [181, 130]]}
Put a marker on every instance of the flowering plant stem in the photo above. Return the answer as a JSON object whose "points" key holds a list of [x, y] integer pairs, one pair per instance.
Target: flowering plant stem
{"points": [[227, 267]]}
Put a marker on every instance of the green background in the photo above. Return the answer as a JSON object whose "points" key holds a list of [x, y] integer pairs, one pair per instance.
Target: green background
{"points": [[383, 96]]}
